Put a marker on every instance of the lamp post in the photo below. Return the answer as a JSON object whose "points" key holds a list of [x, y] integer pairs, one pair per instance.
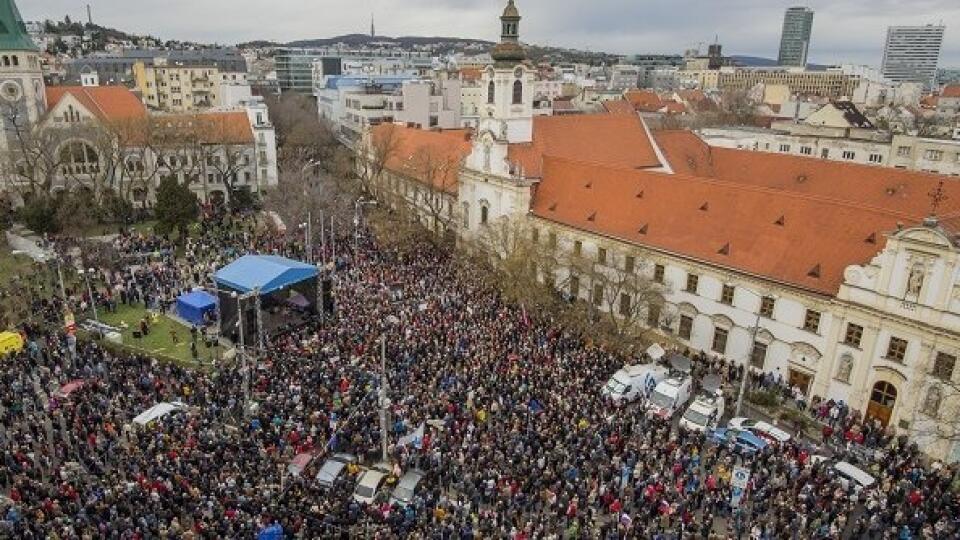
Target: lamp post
{"points": [[308, 237], [383, 399], [357, 215], [749, 358], [93, 301], [303, 178]]}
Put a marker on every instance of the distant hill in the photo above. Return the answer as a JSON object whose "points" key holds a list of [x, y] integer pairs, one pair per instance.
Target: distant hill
{"points": [[403, 41]]}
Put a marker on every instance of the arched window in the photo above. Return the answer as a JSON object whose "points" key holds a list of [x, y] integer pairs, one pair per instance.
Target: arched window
{"points": [[16, 60], [490, 92], [6, 60], [466, 215], [517, 92], [78, 157], [484, 214]]}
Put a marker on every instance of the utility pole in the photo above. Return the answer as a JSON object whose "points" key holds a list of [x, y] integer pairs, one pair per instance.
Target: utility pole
{"points": [[383, 399], [746, 363], [323, 241], [243, 359], [309, 238], [93, 301]]}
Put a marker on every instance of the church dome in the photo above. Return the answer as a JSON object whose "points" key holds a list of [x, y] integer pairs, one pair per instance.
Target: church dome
{"points": [[511, 10], [508, 52]]}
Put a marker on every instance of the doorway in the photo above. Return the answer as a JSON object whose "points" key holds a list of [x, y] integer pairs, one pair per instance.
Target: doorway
{"points": [[882, 399], [801, 380]]}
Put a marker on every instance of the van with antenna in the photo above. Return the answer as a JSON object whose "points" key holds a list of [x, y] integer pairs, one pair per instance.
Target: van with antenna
{"points": [[671, 394], [707, 409]]}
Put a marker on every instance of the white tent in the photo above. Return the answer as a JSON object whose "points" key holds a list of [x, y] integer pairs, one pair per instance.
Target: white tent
{"points": [[158, 410]]}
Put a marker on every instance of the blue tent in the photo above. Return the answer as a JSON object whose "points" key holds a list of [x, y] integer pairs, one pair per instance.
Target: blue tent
{"points": [[268, 273], [193, 305], [273, 532]]}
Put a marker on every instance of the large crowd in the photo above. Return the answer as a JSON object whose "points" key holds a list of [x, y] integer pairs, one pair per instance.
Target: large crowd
{"points": [[518, 441]]}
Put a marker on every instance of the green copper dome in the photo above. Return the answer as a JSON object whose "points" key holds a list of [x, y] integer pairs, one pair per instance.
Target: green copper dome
{"points": [[13, 33]]}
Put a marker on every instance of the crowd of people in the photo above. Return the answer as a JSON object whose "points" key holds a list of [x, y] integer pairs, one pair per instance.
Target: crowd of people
{"points": [[518, 439]]}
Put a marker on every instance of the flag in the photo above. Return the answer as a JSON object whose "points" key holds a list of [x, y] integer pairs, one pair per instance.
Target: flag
{"points": [[415, 438]]}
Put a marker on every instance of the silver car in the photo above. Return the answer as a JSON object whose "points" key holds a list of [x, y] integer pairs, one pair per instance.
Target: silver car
{"points": [[406, 487], [333, 467]]}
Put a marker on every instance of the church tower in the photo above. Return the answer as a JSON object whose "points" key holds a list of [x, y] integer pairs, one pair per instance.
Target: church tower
{"points": [[22, 94], [508, 84]]}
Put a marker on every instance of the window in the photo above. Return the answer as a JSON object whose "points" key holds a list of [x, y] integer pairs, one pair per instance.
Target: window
{"points": [[624, 304], [597, 294], [806, 150], [490, 92], [577, 247], [811, 321], [875, 158], [719, 341], [653, 316], [943, 366], [825, 153], [484, 215], [903, 151], [692, 282], [601, 255], [853, 335], [686, 327], [766, 306], [658, 272], [628, 263], [574, 286], [758, 355], [553, 239], [896, 349], [784, 147], [517, 92], [726, 295], [535, 235], [933, 155], [849, 154]]}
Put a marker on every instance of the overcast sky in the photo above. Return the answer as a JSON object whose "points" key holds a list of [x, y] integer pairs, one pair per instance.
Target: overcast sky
{"points": [[843, 30]]}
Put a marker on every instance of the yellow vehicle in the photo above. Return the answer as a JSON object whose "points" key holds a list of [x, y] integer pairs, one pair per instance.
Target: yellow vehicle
{"points": [[10, 342]]}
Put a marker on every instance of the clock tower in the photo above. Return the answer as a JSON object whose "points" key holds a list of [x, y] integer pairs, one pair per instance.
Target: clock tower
{"points": [[22, 93]]}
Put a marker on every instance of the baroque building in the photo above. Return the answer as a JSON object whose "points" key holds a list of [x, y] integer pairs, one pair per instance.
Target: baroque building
{"points": [[838, 279]]}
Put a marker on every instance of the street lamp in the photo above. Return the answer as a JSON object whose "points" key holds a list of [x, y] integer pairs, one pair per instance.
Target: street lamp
{"points": [[93, 301], [749, 358], [308, 240]]}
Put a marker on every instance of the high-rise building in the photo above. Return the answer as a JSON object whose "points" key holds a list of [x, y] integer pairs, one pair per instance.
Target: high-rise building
{"points": [[795, 38], [911, 53]]}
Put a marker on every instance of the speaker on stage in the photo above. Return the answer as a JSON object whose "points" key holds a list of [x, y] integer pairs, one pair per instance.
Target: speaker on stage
{"points": [[326, 293]]}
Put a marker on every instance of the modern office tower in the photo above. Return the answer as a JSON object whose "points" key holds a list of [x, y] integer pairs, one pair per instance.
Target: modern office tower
{"points": [[911, 53], [795, 38]]}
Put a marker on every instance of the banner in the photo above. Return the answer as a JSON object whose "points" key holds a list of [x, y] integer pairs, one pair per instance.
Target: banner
{"points": [[738, 481], [415, 438]]}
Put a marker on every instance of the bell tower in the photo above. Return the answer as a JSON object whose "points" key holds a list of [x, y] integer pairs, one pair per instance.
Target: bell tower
{"points": [[22, 92], [508, 85]]}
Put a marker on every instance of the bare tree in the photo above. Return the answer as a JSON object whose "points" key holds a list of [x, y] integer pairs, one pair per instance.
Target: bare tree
{"points": [[373, 152], [435, 169]]}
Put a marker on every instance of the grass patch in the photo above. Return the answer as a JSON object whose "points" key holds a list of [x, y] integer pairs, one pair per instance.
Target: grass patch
{"points": [[12, 265], [159, 343]]}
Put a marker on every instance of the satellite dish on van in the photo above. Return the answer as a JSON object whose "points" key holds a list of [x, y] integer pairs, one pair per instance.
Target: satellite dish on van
{"points": [[711, 383], [680, 363]]}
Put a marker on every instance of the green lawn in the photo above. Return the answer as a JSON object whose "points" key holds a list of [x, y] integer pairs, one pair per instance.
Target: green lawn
{"points": [[159, 342], [13, 265]]}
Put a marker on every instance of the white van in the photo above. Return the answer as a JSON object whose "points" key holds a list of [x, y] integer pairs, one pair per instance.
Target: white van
{"points": [[704, 413], [632, 382], [852, 476], [670, 396]]}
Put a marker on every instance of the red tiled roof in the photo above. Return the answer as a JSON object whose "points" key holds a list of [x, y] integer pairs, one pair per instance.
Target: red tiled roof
{"points": [[210, 127], [673, 107], [426, 156], [896, 191], [619, 106], [108, 103], [611, 139], [644, 100], [801, 239], [951, 91]]}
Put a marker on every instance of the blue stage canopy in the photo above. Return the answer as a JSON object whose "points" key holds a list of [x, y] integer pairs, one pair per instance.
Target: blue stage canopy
{"points": [[268, 273], [193, 305]]}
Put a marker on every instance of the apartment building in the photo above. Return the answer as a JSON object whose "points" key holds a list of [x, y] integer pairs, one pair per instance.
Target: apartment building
{"points": [[182, 88]]}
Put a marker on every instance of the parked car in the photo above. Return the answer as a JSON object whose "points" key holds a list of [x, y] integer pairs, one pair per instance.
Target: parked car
{"points": [[406, 487], [743, 440], [368, 486], [631, 382], [765, 430], [333, 468]]}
